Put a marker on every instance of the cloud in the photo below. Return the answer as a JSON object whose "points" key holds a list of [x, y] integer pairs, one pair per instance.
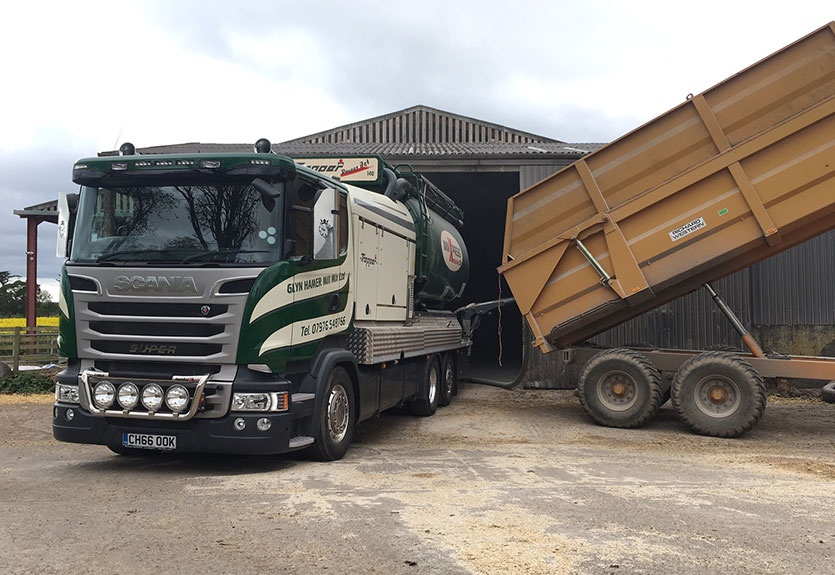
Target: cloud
{"points": [[30, 177], [625, 62]]}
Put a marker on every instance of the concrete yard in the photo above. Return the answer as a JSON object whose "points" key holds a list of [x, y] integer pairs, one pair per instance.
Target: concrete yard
{"points": [[499, 482]]}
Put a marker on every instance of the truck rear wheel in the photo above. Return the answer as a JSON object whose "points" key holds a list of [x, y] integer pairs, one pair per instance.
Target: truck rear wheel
{"points": [[449, 379], [718, 394], [620, 388], [336, 418], [426, 400]]}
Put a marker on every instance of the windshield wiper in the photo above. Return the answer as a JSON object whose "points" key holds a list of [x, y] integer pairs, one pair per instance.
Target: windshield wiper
{"points": [[217, 253], [112, 255]]}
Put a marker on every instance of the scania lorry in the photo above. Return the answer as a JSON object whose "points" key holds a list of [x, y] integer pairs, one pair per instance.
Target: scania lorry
{"points": [[728, 178], [251, 303]]}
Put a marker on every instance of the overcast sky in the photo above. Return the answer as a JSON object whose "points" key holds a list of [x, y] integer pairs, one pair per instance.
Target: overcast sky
{"points": [[85, 76]]}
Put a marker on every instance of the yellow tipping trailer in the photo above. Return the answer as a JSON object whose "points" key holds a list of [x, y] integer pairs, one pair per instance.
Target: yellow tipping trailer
{"points": [[732, 176]]}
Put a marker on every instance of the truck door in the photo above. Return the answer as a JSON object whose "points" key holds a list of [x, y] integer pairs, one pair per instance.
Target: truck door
{"points": [[322, 284]]}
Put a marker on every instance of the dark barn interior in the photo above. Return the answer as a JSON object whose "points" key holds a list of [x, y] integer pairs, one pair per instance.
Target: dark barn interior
{"points": [[483, 197]]}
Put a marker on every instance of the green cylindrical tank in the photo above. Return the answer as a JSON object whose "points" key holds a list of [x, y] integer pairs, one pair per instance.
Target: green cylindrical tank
{"points": [[442, 265]]}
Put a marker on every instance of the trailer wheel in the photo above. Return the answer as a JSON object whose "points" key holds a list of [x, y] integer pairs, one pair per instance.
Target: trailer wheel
{"points": [[336, 418], [426, 400], [449, 380], [620, 388], [828, 392], [718, 394]]}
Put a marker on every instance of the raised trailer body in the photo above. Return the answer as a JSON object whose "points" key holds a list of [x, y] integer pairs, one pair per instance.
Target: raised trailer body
{"points": [[726, 179], [730, 177]]}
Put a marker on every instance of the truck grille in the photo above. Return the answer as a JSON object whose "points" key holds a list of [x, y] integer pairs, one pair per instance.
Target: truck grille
{"points": [[158, 327], [155, 328], [153, 309], [144, 349]]}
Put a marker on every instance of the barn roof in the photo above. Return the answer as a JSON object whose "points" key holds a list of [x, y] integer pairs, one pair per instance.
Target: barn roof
{"points": [[419, 132]]}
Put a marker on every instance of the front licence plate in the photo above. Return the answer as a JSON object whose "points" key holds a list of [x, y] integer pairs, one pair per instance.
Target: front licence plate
{"points": [[149, 441]]}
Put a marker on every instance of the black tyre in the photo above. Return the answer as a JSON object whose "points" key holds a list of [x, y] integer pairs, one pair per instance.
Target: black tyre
{"points": [[828, 392], [620, 388], [426, 400], [336, 418], [718, 394], [449, 379]]}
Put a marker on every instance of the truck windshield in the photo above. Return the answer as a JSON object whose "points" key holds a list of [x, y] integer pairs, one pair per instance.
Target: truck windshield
{"points": [[218, 224]]}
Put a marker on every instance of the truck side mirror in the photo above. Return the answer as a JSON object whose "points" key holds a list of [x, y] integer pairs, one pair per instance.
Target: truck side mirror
{"points": [[67, 207], [269, 193], [325, 211]]}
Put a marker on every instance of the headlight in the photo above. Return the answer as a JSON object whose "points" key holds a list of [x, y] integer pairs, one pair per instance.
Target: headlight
{"points": [[104, 394], [152, 397], [276, 401], [66, 393], [128, 395], [176, 398], [251, 402]]}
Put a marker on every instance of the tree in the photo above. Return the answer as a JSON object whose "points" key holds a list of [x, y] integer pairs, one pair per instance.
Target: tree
{"points": [[13, 297], [45, 307]]}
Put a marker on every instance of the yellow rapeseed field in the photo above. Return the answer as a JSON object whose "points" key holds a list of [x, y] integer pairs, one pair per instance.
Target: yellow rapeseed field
{"points": [[21, 321]]}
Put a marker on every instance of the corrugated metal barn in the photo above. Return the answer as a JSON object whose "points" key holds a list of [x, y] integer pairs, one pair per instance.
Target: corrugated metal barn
{"points": [[786, 301]]}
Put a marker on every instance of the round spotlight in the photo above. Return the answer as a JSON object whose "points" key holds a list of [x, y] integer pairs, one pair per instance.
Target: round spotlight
{"points": [[128, 395], [152, 397], [239, 424], [263, 424], [176, 398], [69, 415], [263, 146], [104, 394]]}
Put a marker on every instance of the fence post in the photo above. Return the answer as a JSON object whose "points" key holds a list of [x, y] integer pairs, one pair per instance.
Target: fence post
{"points": [[16, 349]]}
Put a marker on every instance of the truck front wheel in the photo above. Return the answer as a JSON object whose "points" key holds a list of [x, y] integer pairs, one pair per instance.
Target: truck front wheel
{"points": [[336, 418], [718, 394], [620, 388]]}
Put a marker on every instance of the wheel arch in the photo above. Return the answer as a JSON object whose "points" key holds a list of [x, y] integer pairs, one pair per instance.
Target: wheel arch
{"points": [[317, 378]]}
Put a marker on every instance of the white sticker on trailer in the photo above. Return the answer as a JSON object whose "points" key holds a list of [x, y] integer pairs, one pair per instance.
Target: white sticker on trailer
{"points": [[688, 229]]}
